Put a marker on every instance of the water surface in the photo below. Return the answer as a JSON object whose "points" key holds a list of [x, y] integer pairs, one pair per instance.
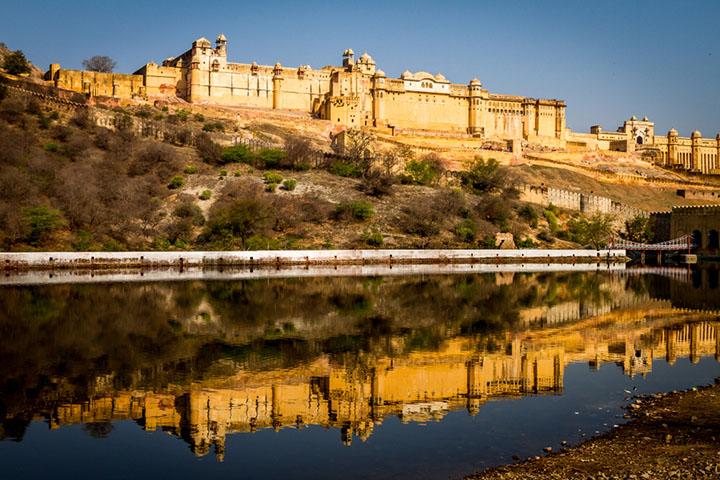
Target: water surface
{"points": [[417, 376]]}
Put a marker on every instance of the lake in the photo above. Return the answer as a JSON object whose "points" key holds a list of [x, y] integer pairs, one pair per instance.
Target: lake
{"points": [[416, 375]]}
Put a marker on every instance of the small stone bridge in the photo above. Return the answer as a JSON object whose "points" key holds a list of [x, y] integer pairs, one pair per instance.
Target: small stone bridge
{"points": [[675, 245]]}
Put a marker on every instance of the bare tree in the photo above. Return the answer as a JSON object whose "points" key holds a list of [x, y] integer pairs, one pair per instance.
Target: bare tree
{"points": [[99, 63]]}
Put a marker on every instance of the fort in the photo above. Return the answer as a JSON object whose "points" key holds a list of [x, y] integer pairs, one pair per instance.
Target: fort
{"points": [[359, 94], [356, 93]]}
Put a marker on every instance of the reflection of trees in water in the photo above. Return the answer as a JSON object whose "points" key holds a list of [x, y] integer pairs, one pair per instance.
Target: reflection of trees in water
{"points": [[58, 340], [98, 429]]}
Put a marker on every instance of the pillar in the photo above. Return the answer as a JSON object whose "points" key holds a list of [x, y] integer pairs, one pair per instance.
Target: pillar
{"points": [[696, 157], [277, 86], [474, 105], [672, 159], [716, 166], [378, 97]]}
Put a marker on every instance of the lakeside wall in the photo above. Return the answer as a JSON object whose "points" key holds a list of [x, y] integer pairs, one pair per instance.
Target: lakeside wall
{"points": [[103, 260]]}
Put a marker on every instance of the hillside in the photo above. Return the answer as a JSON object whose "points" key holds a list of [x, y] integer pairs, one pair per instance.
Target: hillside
{"points": [[170, 175]]}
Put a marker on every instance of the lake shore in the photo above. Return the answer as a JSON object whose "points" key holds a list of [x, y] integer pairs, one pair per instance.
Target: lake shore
{"points": [[673, 435], [20, 261]]}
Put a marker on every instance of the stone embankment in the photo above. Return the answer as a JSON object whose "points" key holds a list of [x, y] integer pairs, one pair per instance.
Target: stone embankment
{"points": [[670, 436], [260, 258]]}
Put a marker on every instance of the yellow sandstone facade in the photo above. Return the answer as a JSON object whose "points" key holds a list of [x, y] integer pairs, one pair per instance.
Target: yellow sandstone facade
{"points": [[694, 154], [354, 94]]}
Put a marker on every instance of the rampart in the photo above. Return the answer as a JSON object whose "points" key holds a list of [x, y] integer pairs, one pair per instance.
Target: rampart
{"points": [[587, 204]]}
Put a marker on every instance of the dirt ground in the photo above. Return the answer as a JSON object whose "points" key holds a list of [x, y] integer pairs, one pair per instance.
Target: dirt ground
{"points": [[670, 436]]}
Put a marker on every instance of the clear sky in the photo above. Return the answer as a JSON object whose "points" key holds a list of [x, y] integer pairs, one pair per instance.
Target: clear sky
{"points": [[608, 60]]}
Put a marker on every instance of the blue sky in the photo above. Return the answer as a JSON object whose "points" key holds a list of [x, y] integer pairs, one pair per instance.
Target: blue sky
{"points": [[608, 60]]}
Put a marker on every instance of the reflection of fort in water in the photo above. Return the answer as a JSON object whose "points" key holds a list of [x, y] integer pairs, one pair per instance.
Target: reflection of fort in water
{"points": [[419, 386]]}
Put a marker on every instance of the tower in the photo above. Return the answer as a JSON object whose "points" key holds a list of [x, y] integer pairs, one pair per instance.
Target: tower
{"points": [[672, 159], [696, 158], [378, 96], [474, 105], [221, 45], [348, 59], [277, 86]]}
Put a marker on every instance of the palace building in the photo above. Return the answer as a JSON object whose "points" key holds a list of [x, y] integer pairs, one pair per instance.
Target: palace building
{"points": [[356, 93]]}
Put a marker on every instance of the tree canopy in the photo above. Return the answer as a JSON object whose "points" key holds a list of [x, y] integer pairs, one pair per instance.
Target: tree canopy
{"points": [[16, 63], [99, 63]]}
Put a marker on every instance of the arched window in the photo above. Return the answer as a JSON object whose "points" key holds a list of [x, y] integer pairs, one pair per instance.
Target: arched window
{"points": [[639, 140], [713, 240]]}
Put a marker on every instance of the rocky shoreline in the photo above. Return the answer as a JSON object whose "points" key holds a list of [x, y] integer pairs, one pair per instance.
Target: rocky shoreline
{"points": [[670, 436]]}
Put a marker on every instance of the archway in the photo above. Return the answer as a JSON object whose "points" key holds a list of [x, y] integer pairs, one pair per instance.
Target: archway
{"points": [[639, 140], [713, 240], [697, 238]]}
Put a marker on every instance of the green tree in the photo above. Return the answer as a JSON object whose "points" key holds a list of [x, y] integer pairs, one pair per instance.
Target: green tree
{"points": [[40, 222], [594, 231], [640, 229], [241, 219], [16, 63], [484, 176]]}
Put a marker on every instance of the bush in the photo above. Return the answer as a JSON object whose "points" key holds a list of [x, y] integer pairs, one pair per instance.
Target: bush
{"points": [[144, 112], [484, 176], [176, 182], [40, 222], [239, 153], [552, 219], [345, 169], [356, 210], [373, 238], [190, 170], [238, 173], [81, 118], [16, 63], [205, 195], [529, 213], [272, 177], [199, 117], [270, 158], [496, 210], [525, 243], [223, 173], [377, 183], [424, 171], [289, 184], [214, 127], [300, 154], [466, 231], [209, 151], [190, 211], [51, 147], [270, 187]]}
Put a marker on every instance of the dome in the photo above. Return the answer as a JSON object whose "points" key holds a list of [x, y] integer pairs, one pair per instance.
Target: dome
{"points": [[348, 52], [221, 38], [379, 73], [407, 74], [365, 58], [202, 42], [633, 118], [646, 119], [440, 77], [673, 132], [475, 81], [696, 134]]}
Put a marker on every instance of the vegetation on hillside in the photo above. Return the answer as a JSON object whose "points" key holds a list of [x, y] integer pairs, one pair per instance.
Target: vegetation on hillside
{"points": [[67, 184]]}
